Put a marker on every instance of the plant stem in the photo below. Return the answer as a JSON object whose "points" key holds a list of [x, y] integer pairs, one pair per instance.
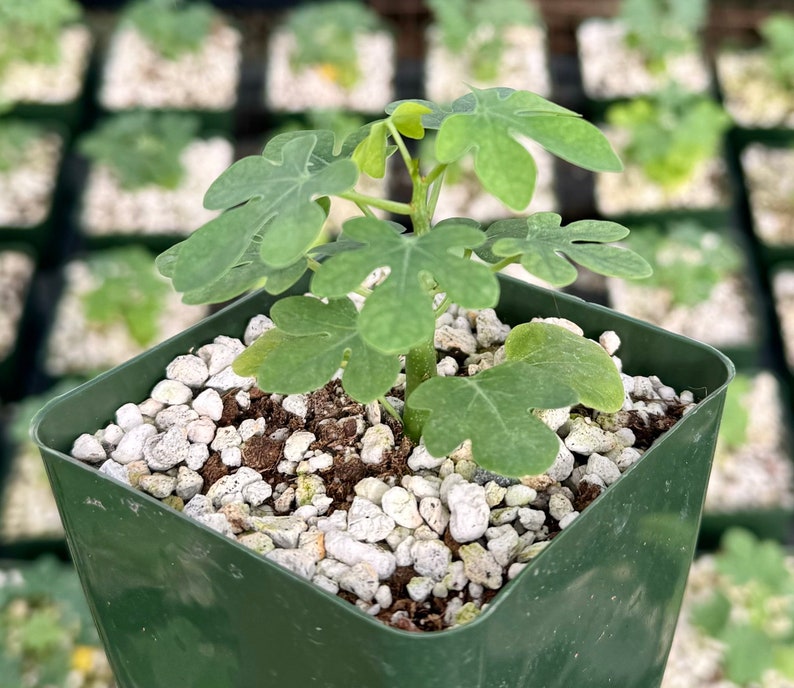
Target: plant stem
{"points": [[374, 202], [390, 409], [420, 365], [496, 267]]}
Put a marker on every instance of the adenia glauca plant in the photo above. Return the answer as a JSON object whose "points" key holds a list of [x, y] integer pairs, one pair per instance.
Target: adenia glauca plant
{"points": [[274, 207]]}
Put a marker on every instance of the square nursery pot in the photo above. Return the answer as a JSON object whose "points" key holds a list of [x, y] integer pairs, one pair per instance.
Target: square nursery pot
{"points": [[179, 604]]}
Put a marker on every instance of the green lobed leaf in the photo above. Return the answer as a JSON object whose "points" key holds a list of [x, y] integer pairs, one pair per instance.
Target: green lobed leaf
{"points": [[744, 558], [748, 654], [398, 315], [493, 410], [544, 247], [504, 166], [311, 341], [218, 246], [568, 359]]}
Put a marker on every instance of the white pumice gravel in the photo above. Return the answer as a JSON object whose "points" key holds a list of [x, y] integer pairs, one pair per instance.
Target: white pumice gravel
{"points": [[783, 293], [51, 84], [752, 95], [136, 75], [610, 69], [632, 192], [453, 532], [311, 88], [16, 274], [727, 318], [27, 191], [769, 175], [524, 65], [109, 209]]}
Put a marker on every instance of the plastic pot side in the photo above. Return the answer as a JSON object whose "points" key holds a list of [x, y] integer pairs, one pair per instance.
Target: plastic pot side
{"points": [[176, 603]]}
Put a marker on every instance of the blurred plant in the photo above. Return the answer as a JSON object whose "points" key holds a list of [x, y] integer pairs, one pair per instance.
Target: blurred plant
{"points": [[661, 28], [142, 147], [30, 29], [47, 635], [751, 609], [129, 290], [670, 133], [777, 30], [173, 27], [473, 30], [325, 35], [735, 415], [15, 136], [688, 259]]}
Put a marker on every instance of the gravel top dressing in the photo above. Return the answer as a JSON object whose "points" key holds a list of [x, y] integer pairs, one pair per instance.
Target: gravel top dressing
{"points": [[334, 492]]}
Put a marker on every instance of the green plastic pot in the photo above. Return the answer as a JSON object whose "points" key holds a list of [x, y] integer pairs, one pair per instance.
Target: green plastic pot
{"points": [[178, 604]]}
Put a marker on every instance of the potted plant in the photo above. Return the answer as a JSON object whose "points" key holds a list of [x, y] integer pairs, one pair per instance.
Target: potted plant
{"points": [[17, 266], [147, 174], [701, 287], [46, 629], [30, 162], [112, 306], [476, 434], [482, 44], [756, 83], [645, 47], [167, 55], [44, 59], [29, 521], [752, 479], [672, 145], [735, 626], [766, 170], [330, 55]]}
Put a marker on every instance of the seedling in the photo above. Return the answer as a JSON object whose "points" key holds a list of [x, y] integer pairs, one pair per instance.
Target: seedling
{"points": [[29, 31], [662, 28], [473, 30], [751, 609], [688, 260], [45, 626], [15, 136], [778, 34], [670, 133], [128, 291], [142, 147], [275, 206], [325, 38], [172, 27], [735, 415]]}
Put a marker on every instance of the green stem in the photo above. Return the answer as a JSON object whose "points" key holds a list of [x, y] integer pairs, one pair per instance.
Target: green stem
{"points": [[374, 202], [399, 142], [390, 409], [496, 267], [420, 365]]}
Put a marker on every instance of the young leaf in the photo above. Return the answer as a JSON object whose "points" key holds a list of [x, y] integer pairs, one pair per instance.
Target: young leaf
{"points": [[398, 315], [407, 118], [744, 559], [311, 341], [540, 241], [492, 409], [501, 163], [571, 360], [370, 155]]}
